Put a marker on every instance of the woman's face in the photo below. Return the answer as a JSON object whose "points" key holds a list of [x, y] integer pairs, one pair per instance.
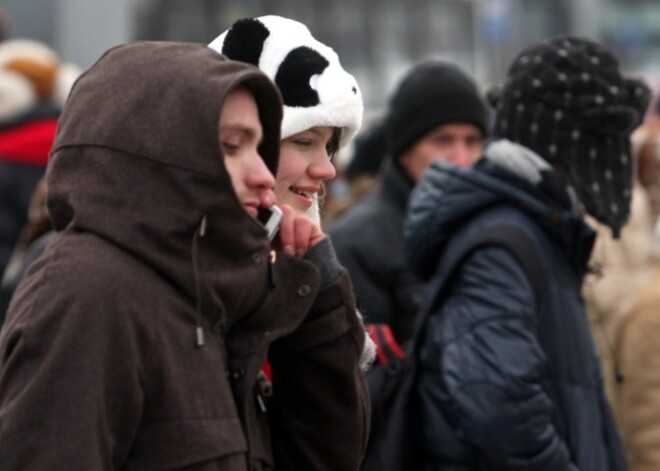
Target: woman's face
{"points": [[304, 164]]}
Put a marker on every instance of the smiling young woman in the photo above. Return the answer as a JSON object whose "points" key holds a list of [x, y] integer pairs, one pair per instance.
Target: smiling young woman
{"points": [[322, 102], [322, 112], [305, 164]]}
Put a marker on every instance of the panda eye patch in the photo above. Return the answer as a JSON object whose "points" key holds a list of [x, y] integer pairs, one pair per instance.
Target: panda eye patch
{"points": [[294, 77]]}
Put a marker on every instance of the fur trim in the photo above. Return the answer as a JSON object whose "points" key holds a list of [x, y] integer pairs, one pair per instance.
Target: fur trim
{"points": [[66, 76], [316, 90], [17, 96], [26, 48], [34, 60], [314, 212], [30, 72], [369, 350], [518, 159]]}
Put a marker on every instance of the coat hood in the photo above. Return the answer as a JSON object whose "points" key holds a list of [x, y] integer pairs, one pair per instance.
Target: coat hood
{"points": [[136, 161], [509, 174]]}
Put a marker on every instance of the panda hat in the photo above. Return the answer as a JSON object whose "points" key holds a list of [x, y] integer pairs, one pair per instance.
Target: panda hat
{"points": [[315, 89]]}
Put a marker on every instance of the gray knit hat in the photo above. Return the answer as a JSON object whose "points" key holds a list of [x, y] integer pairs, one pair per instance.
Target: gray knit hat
{"points": [[566, 99]]}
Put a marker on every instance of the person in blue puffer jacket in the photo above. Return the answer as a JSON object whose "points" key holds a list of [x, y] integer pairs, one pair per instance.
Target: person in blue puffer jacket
{"points": [[513, 371]]}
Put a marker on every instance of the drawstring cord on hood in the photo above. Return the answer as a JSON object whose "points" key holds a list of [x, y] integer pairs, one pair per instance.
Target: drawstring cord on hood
{"points": [[199, 332], [201, 232]]}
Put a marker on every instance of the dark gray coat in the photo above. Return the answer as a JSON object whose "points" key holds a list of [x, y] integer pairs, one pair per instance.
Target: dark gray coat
{"points": [[369, 243]]}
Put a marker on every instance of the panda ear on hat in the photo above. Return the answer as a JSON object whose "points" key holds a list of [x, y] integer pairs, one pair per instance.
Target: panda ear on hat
{"points": [[315, 89], [244, 41]]}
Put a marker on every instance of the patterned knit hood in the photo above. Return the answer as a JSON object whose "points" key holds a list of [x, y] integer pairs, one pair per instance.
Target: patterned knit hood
{"points": [[567, 99]]}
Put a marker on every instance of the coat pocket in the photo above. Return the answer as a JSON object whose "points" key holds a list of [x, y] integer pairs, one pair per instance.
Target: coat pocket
{"points": [[177, 444]]}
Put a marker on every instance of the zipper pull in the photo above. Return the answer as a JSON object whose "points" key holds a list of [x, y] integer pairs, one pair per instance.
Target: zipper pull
{"points": [[271, 269], [260, 401], [199, 336], [262, 388]]}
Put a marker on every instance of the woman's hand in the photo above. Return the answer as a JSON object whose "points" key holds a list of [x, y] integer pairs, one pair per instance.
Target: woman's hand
{"points": [[297, 233]]}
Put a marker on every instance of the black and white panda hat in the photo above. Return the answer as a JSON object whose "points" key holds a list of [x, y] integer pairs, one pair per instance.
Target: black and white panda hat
{"points": [[316, 90]]}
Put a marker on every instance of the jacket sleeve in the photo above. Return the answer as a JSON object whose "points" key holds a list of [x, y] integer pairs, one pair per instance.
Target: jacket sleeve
{"points": [[320, 406], [374, 300], [69, 392], [484, 353]]}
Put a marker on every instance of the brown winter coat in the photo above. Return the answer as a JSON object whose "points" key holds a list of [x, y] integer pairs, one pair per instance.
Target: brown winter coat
{"points": [[99, 367], [638, 396]]}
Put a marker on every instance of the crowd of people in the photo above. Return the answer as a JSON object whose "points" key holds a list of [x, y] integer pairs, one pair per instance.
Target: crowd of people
{"points": [[149, 321]]}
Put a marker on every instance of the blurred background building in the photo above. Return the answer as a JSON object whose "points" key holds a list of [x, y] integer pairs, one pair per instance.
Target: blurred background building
{"points": [[375, 39]]}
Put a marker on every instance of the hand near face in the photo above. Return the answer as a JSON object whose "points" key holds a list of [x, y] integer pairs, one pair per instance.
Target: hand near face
{"points": [[297, 233]]}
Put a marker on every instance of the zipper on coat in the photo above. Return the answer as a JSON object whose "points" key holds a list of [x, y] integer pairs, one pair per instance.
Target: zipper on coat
{"points": [[262, 389], [271, 269], [199, 331]]}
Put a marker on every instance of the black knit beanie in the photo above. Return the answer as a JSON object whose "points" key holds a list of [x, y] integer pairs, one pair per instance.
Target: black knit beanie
{"points": [[432, 93], [566, 99]]}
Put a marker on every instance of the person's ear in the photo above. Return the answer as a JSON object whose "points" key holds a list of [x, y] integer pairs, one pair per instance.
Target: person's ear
{"points": [[405, 163]]}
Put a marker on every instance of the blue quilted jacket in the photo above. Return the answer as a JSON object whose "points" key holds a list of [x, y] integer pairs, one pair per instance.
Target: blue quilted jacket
{"points": [[520, 382]]}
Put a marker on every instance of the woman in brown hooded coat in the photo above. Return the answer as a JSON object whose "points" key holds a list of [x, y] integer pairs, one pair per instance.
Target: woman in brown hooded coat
{"points": [[136, 340]]}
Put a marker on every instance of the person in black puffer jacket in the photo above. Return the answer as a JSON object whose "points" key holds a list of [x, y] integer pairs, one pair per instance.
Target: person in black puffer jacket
{"points": [[516, 374]]}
